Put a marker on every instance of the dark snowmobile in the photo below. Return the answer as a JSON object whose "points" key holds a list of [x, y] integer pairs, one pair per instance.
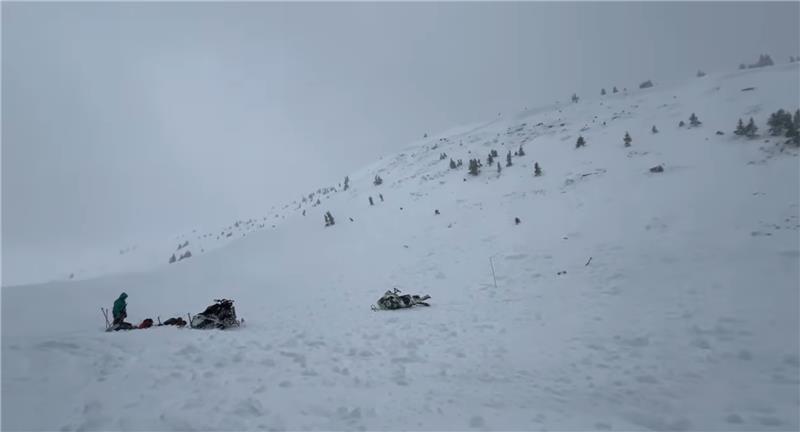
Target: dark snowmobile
{"points": [[394, 300], [219, 315]]}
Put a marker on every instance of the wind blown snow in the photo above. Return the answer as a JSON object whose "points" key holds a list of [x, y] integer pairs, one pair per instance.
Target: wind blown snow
{"points": [[624, 299]]}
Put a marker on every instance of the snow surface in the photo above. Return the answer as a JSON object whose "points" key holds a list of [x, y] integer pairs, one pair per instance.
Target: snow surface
{"points": [[686, 318]]}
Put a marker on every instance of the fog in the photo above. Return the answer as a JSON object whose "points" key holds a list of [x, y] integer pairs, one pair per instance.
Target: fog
{"points": [[128, 122]]}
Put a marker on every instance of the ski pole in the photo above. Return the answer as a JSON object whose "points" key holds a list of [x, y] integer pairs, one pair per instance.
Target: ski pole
{"points": [[493, 276], [105, 314]]}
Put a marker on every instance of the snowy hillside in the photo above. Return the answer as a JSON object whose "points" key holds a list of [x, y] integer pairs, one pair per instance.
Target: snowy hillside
{"points": [[624, 299]]}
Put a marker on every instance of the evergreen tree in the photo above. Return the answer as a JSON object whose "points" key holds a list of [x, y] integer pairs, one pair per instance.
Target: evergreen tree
{"points": [[490, 160], [654, 130], [378, 180], [521, 152], [499, 169], [452, 164], [459, 163], [580, 143], [694, 121], [779, 122], [346, 182], [681, 124], [602, 92], [615, 90], [494, 153], [381, 197], [574, 98], [793, 130], [172, 259], [537, 171], [370, 201], [740, 130], [473, 167], [700, 73], [751, 129], [508, 159], [627, 139]]}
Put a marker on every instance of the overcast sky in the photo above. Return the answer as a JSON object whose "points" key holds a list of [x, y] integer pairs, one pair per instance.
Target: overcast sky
{"points": [[128, 121]]}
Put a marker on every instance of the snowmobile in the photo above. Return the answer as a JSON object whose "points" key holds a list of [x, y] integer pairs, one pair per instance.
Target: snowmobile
{"points": [[394, 300], [219, 315]]}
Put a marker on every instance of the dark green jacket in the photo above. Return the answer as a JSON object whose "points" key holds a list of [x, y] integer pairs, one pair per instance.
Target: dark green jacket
{"points": [[119, 305]]}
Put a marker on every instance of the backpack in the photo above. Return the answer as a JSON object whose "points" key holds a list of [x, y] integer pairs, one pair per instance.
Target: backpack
{"points": [[180, 322]]}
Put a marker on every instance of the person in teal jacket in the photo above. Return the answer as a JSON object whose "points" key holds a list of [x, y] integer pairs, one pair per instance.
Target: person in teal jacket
{"points": [[119, 311]]}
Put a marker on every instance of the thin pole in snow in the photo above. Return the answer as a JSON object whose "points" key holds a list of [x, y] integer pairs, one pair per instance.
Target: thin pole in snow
{"points": [[105, 315], [493, 276]]}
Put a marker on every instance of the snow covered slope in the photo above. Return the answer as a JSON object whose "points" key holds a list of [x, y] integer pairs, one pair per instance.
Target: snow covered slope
{"points": [[685, 318]]}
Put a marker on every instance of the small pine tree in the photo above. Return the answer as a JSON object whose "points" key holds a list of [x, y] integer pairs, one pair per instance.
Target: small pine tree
{"points": [[381, 197], [681, 124], [779, 122], [793, 130], [580, 143], [521, 152], [700, 73], [508, 159], [378, 180], [654, 130], [575, 98], [473, 167], [346, 182], [494, 153], [751, 128], [499, 169], [615, 90], [694, 121], [490, 160], [537, 171], [739, 128], [452, 164], [370, 201], [602, 92], [627, 139], [172, 259]]}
